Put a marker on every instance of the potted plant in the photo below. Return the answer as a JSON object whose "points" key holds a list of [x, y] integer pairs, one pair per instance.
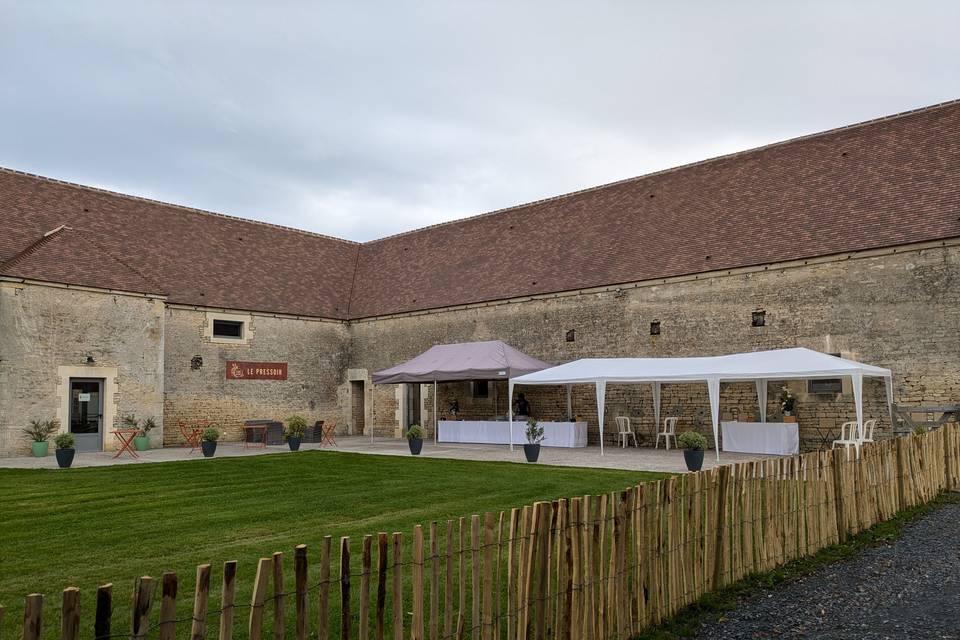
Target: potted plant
{"points": [[208, 441], [693, 444], [142, 440], [39, 433], [65, 450], [534, 434], [415, 439], [787, 403], [296, 427]]}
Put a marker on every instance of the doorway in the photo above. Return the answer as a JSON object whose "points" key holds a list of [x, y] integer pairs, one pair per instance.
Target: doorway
{"points": [[86, 413], [412, 405], [357, 407]]}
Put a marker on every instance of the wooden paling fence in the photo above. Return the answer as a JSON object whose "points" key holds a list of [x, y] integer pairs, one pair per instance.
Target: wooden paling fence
{"points": [[590, 567]]}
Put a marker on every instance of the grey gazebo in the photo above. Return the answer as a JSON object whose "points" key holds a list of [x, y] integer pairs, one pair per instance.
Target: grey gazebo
{"points": [[488, 360]]}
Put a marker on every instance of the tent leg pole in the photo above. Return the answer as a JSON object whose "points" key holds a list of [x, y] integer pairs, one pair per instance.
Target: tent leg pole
{"points": [[436, 418], [510, 410]]}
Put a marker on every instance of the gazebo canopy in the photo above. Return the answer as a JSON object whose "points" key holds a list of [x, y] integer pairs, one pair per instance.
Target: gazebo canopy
{"points": [[757, 366], [489, 360]]}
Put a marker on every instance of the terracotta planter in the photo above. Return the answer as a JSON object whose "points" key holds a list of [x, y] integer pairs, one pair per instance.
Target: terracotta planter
{"points": [[789, 418]]}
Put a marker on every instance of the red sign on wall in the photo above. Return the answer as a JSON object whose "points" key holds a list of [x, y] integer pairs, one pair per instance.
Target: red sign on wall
{"points": [[237, 370]]}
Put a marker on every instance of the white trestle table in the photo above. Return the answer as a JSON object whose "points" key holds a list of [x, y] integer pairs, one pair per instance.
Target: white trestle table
{"points": [[556, 434], [779, 438]]}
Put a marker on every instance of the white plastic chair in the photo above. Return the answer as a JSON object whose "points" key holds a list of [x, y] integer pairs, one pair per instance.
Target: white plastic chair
{"points": [[624, 430], [868, 427], [848, 436], [669, 431]]}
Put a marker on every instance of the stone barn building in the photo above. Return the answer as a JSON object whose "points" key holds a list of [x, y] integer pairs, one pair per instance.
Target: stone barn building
{"points": [[846, 242]]}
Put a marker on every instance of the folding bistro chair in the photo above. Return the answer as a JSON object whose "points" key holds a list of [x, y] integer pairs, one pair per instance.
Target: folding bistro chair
{"points": [[329, 434], [191, 435], [669, 431], [624, 430]]}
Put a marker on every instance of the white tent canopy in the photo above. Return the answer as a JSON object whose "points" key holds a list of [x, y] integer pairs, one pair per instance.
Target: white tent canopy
{"points": [[758, 366]]}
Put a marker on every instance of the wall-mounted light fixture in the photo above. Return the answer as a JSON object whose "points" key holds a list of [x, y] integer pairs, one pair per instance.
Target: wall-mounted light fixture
{"points": [[655, 328], [196, 363], [758, 318], [90, 360], [572, 335]]}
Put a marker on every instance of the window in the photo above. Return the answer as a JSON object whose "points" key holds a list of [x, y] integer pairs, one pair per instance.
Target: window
{"points": [[480, 388], [228, 329], [826, 385]]}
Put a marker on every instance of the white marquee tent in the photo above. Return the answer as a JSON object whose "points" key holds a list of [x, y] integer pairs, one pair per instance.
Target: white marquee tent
{"points": [[758, 366]]}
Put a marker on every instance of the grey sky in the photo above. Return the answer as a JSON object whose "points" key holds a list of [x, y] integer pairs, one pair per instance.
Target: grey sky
{"points": [[360, 120]]}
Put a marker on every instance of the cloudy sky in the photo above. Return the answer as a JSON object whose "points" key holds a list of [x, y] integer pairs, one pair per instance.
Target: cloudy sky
{"points": [[364, 119]]}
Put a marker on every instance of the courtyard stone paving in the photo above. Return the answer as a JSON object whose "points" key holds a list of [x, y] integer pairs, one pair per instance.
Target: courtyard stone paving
{"points": [[631, 458]]}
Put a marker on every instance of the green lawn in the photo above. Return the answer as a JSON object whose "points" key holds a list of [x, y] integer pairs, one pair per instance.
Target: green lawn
{"points": [[86, 527]]}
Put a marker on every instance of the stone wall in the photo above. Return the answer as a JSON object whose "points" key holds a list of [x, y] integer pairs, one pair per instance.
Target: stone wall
{"points": [[197, 387], [898, 309], [47, 330], [894, 309]]}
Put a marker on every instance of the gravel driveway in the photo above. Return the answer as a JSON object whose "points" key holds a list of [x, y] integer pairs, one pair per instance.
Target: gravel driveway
{"points": [[908, 589]]}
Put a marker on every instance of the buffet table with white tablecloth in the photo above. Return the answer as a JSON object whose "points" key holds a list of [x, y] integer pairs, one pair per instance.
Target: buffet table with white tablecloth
{"points": [[556, 434], [779, 438]]}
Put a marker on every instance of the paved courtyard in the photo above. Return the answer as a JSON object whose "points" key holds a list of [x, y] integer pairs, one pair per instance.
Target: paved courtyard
{"points": [[639, 459]]}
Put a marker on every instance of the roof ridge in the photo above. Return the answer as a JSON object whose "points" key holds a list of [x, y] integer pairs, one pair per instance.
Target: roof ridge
{"points": [[206, 212], [689, 165], [31, 248], [53, 234]]}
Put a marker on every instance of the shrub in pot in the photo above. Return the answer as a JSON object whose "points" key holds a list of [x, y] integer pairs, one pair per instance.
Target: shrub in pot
{"points": [[415, 439], [142, 440], [208, 441], [66, 449], [39, 433], [534, 433], [693, 444], [788, 405], [296, 427]]}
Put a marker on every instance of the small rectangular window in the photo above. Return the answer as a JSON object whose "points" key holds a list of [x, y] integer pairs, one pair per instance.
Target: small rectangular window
{"points": [[480, 388], [826, 385], [228, 329]]}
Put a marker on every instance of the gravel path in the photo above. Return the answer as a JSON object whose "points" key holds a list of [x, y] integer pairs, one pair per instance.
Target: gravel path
{"points": [[908, 589]]}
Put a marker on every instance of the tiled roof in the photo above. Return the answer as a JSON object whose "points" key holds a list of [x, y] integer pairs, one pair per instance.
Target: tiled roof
{"points": [[71, 256], [888, 182], [196, 257]]}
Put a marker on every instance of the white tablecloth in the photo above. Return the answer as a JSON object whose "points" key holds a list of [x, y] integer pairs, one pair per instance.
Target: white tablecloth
{"points": [[556, 434], [780, 438]]}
